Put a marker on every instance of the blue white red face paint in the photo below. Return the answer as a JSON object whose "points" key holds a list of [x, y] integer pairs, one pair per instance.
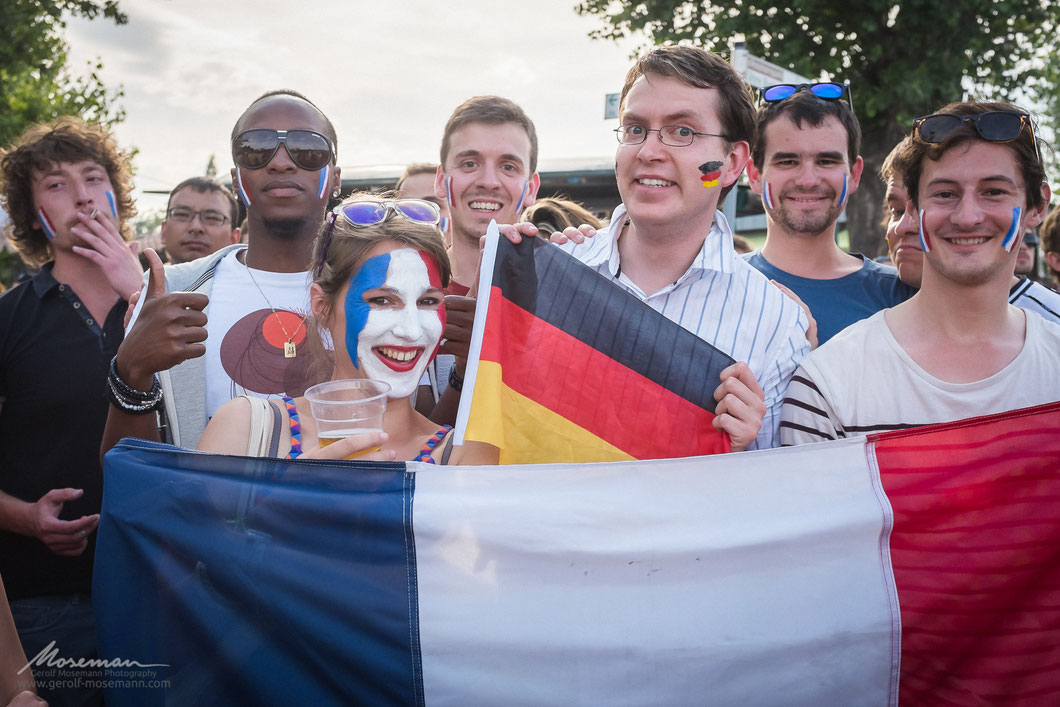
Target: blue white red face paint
{"points": [[767, 196], [522, 196], [843, 194], [322, 187], [394, 342], [1010, 240], [710, 173], [241, 189], [46, 224], [449, 191], [113, 204], [925, 240]]}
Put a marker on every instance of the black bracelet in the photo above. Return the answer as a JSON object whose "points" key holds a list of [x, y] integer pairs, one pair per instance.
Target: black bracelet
{"points": [[456, 381], [128, 399]]}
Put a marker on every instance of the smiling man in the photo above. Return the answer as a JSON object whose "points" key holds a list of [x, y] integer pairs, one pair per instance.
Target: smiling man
{"points": [[903, 242], [805, 165], [202, 217], [687, 122], [957, 348], [234, 323]]}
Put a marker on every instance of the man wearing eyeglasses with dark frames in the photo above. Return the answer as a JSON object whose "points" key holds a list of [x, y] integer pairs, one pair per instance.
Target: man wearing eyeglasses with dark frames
{"points": [[201, 218], [254, 339], [687, 121], [957, 348], [805, 165]]}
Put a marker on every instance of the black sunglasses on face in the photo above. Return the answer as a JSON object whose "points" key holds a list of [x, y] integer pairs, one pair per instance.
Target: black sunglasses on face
{"points": [[309, 150]]}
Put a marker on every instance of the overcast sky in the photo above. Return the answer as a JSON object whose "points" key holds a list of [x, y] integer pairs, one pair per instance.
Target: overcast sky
{"points": [[388, 74]]}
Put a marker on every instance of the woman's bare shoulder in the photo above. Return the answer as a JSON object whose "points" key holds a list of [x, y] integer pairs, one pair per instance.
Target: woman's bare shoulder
{"points": [[229, 428]]}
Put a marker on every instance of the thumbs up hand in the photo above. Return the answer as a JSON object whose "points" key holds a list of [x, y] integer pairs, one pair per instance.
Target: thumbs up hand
{"points": [[170, 330]]}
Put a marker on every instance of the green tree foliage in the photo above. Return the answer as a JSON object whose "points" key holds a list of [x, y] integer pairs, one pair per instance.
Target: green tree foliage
{"points": [[36, 83], [902, 59]]}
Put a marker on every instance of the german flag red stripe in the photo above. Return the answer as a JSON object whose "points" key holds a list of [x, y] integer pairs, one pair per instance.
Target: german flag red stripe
{"points": [[593, 391]]}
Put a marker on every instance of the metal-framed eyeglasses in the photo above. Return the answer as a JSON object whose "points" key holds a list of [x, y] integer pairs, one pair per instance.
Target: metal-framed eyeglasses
{"points": [[672, 135], [209, 217]]}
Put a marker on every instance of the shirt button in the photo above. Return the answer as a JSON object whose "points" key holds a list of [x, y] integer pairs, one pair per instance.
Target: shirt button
{"points": [[77, 305], [90, 322], [62, 288]]}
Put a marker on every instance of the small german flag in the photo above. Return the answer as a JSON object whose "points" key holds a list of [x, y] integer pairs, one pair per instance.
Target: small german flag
{"points": [[711, 173], [566, 366]]}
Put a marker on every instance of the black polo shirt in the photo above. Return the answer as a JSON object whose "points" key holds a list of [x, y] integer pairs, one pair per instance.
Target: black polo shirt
{"points": [[53, 368]]}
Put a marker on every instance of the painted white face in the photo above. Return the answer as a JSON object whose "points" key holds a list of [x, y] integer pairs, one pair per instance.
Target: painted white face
{"points": [[395, 314]]}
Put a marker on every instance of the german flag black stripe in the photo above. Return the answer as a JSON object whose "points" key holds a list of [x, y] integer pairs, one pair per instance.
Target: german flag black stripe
{"points": [[606, 318]]}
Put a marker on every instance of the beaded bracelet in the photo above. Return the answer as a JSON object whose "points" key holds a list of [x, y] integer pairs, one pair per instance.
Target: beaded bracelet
{"points": [[128, 399]]}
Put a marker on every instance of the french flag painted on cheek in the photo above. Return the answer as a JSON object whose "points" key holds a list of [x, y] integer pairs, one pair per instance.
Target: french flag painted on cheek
{"points": [[371, 275], [46, 224], [434, 275], [767, 196], [1010, 238], [323, 185], [242, 191], [925, 240]]}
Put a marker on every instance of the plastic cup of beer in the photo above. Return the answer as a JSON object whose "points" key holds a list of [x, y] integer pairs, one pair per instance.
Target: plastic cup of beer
{"points": [[343, 408]]}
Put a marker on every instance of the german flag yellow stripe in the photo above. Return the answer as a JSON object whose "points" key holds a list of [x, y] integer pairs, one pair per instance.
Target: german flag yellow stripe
{"points": [[526, 432]]}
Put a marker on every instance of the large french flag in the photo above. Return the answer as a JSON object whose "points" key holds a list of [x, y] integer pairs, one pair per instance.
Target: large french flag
{"points": [[917, 567], [566, 366]]}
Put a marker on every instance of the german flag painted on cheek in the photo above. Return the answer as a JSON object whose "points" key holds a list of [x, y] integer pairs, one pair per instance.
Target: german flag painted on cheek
{"points": [[711, 173], [572, 368]]}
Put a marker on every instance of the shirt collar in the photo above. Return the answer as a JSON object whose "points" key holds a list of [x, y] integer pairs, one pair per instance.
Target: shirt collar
{"points": [[717, 252], [44, 282]]}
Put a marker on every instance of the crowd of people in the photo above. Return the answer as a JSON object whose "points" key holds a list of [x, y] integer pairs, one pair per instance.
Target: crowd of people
{"points": [[215, 348]]}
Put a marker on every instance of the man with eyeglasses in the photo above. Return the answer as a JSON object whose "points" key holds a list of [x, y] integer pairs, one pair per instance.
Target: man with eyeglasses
{"points": [[201, 218], [805, 165], [254, 340], [687, 122], [957, 348]]}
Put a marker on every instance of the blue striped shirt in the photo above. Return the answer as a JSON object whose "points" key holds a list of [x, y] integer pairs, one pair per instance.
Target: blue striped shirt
{"points": [[724, 301]]}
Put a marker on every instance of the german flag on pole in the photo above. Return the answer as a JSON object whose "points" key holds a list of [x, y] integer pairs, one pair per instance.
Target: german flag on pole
{"points": [[566, 366]]}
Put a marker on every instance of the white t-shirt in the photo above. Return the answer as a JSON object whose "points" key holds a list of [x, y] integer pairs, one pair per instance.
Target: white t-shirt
{"points": [[862, 381], [246, 337]]}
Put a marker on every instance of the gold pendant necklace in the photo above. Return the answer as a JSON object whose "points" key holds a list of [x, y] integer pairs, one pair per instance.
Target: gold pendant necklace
{"points": [[289, 348]]}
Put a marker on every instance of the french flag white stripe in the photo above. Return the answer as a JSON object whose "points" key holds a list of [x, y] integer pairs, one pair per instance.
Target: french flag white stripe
{"points": [[673, 585]]}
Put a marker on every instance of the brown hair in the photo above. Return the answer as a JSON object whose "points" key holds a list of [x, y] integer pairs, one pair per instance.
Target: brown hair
{"points": [[491, 110], [204, 185], [63, 140], [894, 165], [342, 246], [702, 69], [804, 107], [1049, 232], [1023, 147], [556, 213], [413, 170]]}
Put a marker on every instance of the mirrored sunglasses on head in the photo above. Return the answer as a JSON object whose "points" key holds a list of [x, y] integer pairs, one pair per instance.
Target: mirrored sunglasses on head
{"points": [[994, 126], [826, 89], [308, 149], [369, 213]]}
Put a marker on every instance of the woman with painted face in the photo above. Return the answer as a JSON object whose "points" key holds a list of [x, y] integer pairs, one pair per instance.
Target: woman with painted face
{"points": [[379, 269]]}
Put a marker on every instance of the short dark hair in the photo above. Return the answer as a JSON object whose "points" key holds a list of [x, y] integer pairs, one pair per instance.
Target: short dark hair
{"points": [[804, 107], [894, 165], [491, 110], [329, 129], [206, 184], [64, 140], [413, 170], [1023, 147], [1049, 232], [703, 69]]}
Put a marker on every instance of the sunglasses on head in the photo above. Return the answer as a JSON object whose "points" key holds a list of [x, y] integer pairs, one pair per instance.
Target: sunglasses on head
{"points": [[365, 213], [826, 90], [309, 150], [995, 126]]}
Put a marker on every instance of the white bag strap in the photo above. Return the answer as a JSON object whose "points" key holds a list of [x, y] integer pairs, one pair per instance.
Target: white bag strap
{"points": [[265, 422]]}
